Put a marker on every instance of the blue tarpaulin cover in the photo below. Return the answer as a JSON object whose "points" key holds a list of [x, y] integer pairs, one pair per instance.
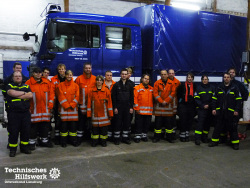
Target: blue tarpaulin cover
{"points": [[185, 40]]}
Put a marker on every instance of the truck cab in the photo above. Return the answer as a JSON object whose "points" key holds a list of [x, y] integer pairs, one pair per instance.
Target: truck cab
{"points": [[108, 42]]}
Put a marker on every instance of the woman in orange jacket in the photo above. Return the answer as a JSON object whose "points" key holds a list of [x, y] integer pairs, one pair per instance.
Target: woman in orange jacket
{"points": [[68, 97], [143, 106], [99, 108]]}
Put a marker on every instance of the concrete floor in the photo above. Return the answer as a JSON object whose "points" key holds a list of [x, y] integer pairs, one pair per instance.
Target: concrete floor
{"points": [[149, 165]]}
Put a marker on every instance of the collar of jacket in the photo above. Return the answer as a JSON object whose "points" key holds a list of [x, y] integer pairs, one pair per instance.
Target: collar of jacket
{"points": [[95, 88], [161, 81], [68, 83], [122, 81], [85, 75], [33, 81], [222, 86], [142, 86]]}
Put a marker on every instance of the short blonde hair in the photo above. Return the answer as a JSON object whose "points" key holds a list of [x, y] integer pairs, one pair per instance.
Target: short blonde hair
{"points": [[129, 70], [68, 72]]}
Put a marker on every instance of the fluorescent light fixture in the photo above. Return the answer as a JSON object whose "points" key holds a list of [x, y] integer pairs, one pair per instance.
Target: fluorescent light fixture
{"points": [[186, 6]]}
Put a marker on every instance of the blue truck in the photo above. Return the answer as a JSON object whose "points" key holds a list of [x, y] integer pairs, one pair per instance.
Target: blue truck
{"points": [[148, 39], [108, 42]]}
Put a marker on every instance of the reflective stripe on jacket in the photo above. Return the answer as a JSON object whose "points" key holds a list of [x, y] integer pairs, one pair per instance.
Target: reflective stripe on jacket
{"points": [[54, 84], [228, 100], [163, 93], [143, 99], [42, 100], [176, 84], [100, 107], [203, 95], [85, 85], [68, 97]]}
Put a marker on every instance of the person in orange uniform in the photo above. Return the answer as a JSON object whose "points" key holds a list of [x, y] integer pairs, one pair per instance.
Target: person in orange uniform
{"points": [[99, 108], [143, 106], [176, 84], [86, 82], [55, 80], [68, 97], [40, 107], [164, 94], [109, 83], [46, 72]]}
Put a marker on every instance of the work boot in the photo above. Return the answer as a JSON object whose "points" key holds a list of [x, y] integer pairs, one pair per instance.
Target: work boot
{"points": [[46, 144], [103, 143], [32, 147], [94, 142], [137, 140], [223, 139], [187, 139], [57, 140], [212, 144], [144, 139], [169, 138], [204, 138], [197, 142], [64, 145], [12, 153], [75, 144], [25, 149], [117, 141], [110, 139], [235, 146], [182, 139], [126, 141], [157, 137], [79, 140]]}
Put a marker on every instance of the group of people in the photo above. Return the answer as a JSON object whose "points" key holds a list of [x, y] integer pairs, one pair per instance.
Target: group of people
{"points": [[97, 108]]}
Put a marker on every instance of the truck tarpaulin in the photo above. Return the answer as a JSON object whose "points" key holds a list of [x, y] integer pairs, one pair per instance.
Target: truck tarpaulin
{"points": [[185, 40]]}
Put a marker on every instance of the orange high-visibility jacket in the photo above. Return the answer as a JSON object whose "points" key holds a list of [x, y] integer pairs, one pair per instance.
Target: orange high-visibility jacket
{"points": [[163, 93], [110, 89], [85, 85], [176, 84], [143, 99], [54, 84], [68, 97], [100, 107], [42, 101]]}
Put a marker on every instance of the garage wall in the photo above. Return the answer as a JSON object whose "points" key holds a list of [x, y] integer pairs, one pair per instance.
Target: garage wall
{"points": [[20, 16]]}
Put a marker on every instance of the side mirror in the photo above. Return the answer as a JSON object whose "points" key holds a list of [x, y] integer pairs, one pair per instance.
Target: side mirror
{"points": [[52, 31], [26, 36]]}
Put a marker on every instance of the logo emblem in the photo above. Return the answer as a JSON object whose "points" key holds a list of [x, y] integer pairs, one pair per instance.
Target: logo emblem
{"points": [[54, 173]]}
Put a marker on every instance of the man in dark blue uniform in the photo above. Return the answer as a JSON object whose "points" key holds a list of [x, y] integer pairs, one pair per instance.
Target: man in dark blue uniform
{"points": [[226, 104], [123, 100], [18, 105], [17, 67]]}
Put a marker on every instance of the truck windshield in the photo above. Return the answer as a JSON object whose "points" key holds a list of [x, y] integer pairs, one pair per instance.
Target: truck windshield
{"points": [[69, 35], [39, 33]]}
